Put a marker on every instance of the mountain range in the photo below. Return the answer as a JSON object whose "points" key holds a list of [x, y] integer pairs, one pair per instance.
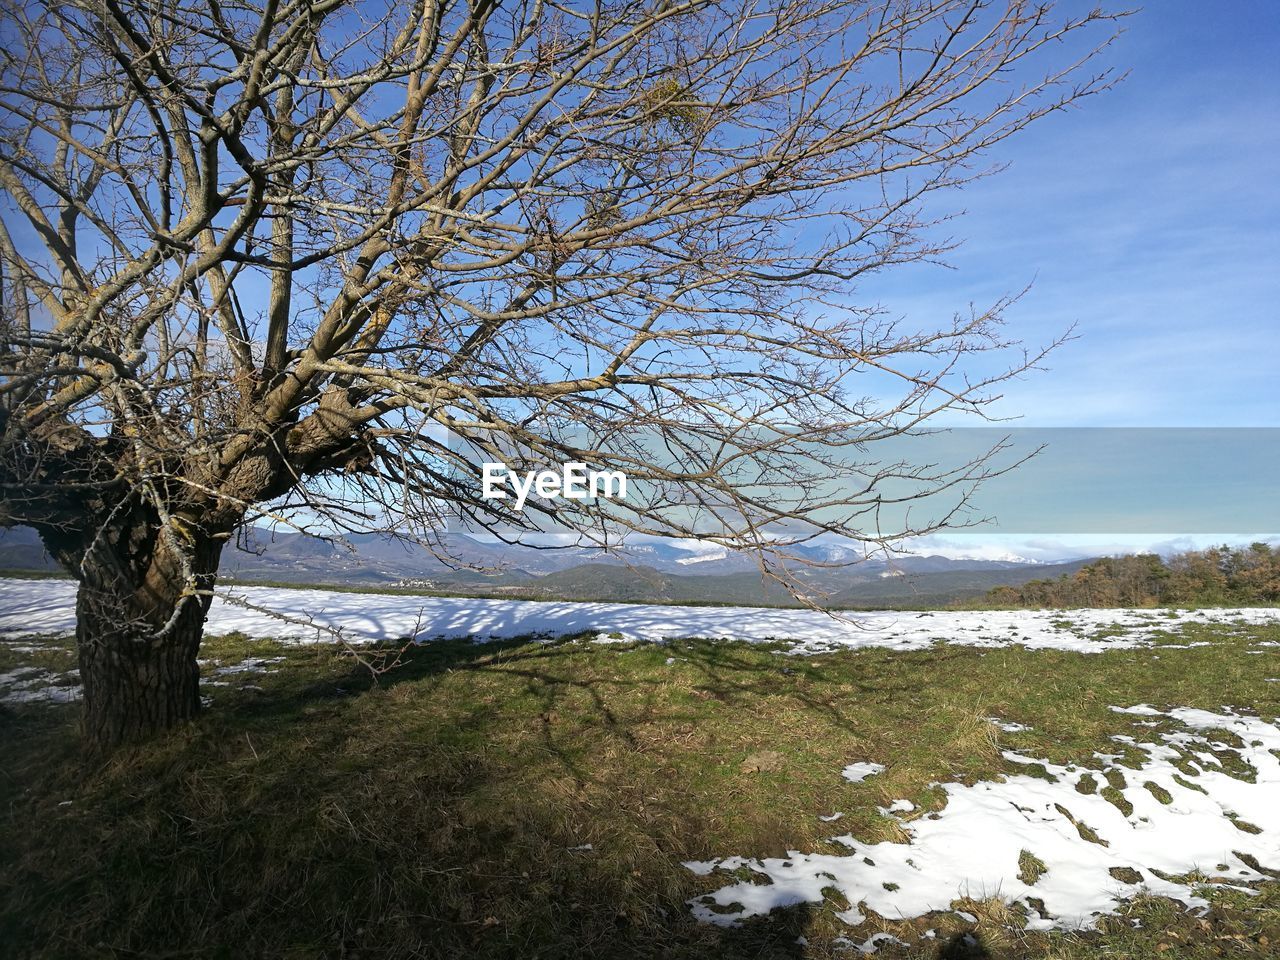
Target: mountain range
{"points": [[653, 570]]}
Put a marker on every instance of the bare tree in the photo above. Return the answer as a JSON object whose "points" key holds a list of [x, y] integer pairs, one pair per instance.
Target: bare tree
{"points": [[331, 254]]}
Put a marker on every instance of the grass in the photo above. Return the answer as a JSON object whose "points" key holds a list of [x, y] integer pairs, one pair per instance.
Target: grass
{"points": [[445, 810]]}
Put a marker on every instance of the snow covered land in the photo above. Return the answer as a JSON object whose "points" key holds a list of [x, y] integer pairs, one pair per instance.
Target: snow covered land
{"points": [[48, 607], [1181, 810]]}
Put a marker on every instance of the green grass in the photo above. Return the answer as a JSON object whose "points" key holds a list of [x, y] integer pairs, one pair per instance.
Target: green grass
{"points": [[441, 811]]}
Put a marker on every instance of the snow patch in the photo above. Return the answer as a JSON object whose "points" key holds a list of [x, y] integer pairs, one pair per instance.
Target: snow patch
{"points": [[249, 665], [857, 772], [1224, 825], [1008, 726], [37, 685], [872, 943], [898, 806], [721, 554]]}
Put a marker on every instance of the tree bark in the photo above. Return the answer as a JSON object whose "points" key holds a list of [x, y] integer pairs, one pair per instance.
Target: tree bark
{"points": [[135, 685], [138, 641]]}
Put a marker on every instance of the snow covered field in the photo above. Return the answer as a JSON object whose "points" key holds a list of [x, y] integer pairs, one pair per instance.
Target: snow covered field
{"points": [[1187, 810], [48, 607]]}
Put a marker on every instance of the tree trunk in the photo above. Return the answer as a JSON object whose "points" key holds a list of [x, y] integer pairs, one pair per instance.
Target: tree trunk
{"points": [[135, 684], [139, 623]]}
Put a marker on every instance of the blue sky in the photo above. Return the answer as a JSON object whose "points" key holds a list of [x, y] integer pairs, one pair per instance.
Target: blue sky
{"points": [[1149, 217]]}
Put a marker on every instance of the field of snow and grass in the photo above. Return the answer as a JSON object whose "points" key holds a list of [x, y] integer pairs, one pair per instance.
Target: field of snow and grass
{"points": [[48, 607], [1169, 814], [915, 778]]}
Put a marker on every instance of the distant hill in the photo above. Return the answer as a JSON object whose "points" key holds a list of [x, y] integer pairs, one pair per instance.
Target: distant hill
{"points": [[1218, 576], [850, 587], [21, 549], [650, 571], [947, 584]]}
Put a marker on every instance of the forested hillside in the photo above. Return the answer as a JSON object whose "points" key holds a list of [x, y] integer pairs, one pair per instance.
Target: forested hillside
{"points": [[1220, 575]]}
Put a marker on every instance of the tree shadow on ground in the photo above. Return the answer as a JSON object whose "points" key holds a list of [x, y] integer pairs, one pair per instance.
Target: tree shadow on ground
{"points": [[728, 674], [477, 800], [347, 815]]}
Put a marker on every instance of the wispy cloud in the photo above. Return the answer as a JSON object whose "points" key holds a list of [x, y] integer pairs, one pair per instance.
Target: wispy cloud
{"points": [[1149, 220]]}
